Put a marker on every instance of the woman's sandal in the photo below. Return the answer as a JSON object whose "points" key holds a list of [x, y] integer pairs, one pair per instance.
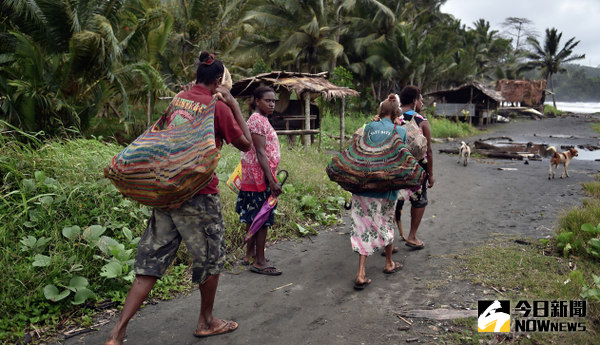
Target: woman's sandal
{"points": [[358, 286], [415, 246], [263, 270], [396, 269]]}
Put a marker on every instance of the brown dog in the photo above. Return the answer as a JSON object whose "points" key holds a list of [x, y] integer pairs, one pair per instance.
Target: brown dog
{"points": [[560, 158]]}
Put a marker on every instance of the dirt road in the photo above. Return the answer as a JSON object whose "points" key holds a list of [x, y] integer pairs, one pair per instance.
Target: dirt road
{"points": [[468, 205]]}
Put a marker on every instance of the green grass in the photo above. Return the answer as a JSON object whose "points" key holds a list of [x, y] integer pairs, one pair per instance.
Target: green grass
{"points": [[550, 110], [525, 273], [444, 128], [573, 218], [592, 188], [330, 123], [50, 185], [595, 127]]}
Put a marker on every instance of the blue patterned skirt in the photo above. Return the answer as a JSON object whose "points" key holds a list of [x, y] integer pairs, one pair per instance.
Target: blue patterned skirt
{"points": [[249, 204]]}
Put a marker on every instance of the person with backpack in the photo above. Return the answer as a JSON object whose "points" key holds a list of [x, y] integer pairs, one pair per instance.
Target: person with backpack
{"points": [[411, 101], [198, 221], [372, 212]]}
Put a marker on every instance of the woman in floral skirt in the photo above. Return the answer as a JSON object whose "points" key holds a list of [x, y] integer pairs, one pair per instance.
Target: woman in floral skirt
{"points": [[372, 226]]}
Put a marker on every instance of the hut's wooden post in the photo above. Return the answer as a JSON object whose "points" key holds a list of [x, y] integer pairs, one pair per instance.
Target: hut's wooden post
{"points": [[306, 119], [321, 107], [342, 124]]}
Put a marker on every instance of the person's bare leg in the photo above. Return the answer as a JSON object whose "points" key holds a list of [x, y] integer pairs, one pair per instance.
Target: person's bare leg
{"points": [[250, 245], [261, 261], [416, 215], [397, 218], [389, 263], [141, 287], [206, 322], [361, 276]]}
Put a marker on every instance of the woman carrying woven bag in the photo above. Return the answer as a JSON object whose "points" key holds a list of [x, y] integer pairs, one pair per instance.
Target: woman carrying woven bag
{"points": [[372, 212], [198, 221]]}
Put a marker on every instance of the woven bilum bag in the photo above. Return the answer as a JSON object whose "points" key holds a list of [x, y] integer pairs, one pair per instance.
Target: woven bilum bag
{"points": [[165, 167], [415, 140], [367, 166]]}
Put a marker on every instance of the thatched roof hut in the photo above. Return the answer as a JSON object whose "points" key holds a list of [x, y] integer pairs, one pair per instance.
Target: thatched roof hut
{"points": [[530, 93], [296, 117], [292, 82]]}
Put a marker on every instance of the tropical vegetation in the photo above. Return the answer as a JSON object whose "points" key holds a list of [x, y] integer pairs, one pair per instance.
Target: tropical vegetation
{"points": [[65, 63], [70, 69]]}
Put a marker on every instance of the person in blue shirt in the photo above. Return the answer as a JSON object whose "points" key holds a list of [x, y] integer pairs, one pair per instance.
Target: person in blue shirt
{"points": [[372, 226]]}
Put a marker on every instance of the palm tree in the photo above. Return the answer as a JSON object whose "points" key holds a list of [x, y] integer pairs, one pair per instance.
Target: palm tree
{"points": [[66, 60], [549, 59], [303, 29]]}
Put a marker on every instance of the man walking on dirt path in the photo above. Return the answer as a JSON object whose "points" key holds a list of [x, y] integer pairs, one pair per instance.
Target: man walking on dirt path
{"points": [[198, 221]]}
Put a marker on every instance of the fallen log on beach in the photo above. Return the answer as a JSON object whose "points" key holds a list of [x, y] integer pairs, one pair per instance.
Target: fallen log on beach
{"points": [[503, 155], [481, 145], [498, 138]]}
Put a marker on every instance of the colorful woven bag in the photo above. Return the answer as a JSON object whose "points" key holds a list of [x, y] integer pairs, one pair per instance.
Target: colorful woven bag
{"points": [[376, 167], [165, 167]]}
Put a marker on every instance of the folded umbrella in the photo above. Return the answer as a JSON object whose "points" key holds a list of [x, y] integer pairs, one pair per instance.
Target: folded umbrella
{"points": [[265, 210]]}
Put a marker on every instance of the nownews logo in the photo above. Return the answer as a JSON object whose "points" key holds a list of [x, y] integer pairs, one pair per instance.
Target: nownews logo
{"points": [[494, 316]]}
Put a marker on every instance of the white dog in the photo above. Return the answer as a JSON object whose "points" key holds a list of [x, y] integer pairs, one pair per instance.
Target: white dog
{"points": [[464, 151]]}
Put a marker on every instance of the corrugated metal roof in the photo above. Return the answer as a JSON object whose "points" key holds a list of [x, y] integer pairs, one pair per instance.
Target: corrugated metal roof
{"points": [[488, 91]]}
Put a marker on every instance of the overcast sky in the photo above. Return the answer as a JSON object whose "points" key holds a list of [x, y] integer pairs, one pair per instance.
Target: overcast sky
{"points": [[574, 18]]}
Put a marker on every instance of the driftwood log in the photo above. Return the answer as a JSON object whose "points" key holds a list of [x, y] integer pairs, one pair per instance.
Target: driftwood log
{"points": [[481, 145], [504, 155], [497, 138]]}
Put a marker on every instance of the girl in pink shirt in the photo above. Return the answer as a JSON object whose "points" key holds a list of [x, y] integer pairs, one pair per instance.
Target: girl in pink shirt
{"points": [[259, 168]]}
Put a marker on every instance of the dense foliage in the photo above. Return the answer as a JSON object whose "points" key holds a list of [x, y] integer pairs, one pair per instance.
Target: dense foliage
{"points": [[63, 63]]}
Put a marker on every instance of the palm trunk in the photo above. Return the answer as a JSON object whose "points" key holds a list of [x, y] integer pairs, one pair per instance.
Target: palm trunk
{"points": [[373, 90], [552, 88]]}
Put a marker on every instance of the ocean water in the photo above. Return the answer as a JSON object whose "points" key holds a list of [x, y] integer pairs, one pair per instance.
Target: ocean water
{"points": [[578, 107]]}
